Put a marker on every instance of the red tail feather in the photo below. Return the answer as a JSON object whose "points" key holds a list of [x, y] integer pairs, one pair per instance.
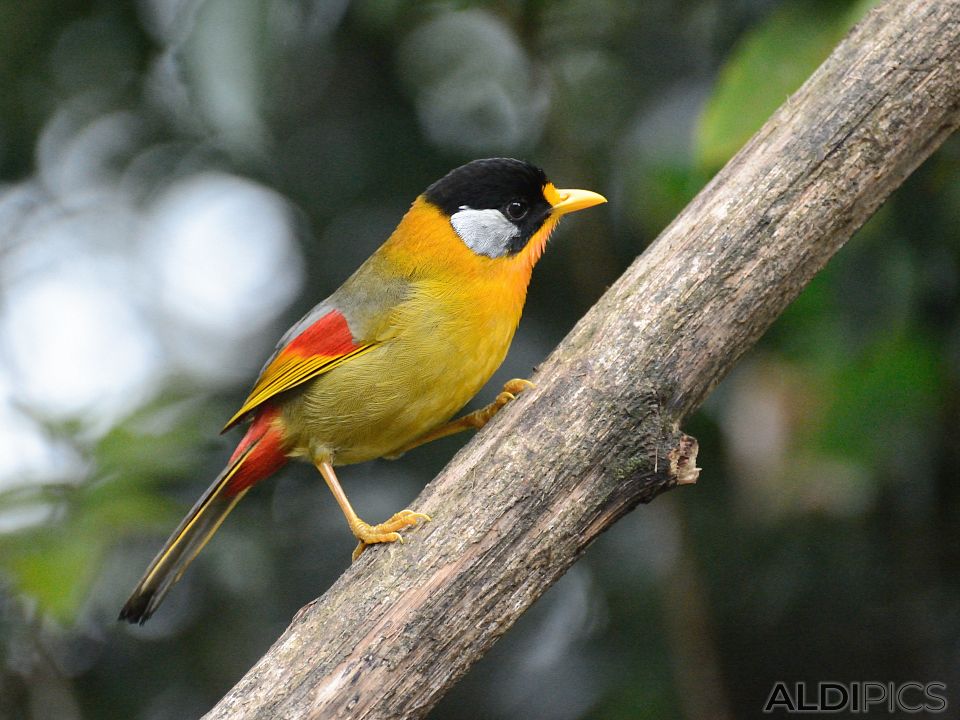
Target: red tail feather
{"points": [[261, 449]]}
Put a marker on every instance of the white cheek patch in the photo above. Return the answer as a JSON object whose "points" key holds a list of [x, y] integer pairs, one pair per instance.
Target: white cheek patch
{"points": [[486, 232]]}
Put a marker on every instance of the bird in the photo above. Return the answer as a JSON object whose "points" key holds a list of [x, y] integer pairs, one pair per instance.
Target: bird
{"points": [[383, 363]]}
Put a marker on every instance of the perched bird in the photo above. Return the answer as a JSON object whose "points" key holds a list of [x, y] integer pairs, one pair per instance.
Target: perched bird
{"points": [[381, 365]]}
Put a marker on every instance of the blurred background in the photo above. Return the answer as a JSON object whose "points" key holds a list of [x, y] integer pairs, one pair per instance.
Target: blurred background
{"points": [[181, 179]]}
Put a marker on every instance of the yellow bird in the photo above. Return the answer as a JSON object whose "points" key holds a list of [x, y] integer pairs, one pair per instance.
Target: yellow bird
{"points": [[381, 365]]}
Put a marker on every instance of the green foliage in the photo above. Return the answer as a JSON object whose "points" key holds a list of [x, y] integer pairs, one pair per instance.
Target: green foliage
{"points": [[881, 400], [766, 67], [56, 559]]}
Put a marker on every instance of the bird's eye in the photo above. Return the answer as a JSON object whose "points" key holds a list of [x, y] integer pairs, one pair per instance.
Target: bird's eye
{"points": [[516, 209]]}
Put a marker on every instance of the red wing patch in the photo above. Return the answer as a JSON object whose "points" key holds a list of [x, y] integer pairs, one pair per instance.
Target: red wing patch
{"points": [[329, 336], [323, 346]]}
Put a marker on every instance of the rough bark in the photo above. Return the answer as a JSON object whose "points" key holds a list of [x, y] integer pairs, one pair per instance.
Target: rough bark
{"points": [[518, 505]]}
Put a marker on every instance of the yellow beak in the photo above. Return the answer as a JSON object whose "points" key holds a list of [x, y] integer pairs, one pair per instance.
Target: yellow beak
{"points": [[568, 201]]}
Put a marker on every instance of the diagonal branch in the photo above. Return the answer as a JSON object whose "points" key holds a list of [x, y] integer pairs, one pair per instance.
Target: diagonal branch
{"points": [[599, 435]]}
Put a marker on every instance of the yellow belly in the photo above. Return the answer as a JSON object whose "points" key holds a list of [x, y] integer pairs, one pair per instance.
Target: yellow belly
{"points": [[374, 404]]}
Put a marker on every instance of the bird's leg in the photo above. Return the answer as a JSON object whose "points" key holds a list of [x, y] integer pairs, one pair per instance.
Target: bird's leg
{"points": [[367, 534], [471, 421]]}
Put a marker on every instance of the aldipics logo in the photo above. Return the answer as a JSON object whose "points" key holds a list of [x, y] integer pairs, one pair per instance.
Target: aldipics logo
{"points": [[857, 697]]}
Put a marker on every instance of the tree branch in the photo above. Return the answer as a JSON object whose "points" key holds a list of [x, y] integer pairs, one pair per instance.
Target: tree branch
{"points": [[518, 505]]}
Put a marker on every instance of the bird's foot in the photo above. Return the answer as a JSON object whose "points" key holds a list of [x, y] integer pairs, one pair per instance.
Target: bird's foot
{"points": [[511, 389], [385, 532]]}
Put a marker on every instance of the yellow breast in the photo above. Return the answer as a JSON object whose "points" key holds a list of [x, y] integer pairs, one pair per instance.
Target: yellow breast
{"points": [[441, 344]]}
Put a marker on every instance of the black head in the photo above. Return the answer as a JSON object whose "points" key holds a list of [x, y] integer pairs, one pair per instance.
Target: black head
{"points": [[495, 205]]}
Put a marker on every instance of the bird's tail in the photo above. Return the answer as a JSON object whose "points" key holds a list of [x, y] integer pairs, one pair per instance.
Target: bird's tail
{"points": [[258, 455]]}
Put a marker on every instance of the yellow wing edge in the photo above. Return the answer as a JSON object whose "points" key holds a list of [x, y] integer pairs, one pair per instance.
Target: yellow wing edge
{"points": [[287, 375]]}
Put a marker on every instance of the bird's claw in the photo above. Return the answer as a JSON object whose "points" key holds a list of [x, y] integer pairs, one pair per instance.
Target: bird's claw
{"points": [[385, 532], [517, 386]]}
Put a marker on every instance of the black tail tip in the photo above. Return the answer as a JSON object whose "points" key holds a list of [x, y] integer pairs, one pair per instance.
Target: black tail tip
{"points": [[137, 609]]}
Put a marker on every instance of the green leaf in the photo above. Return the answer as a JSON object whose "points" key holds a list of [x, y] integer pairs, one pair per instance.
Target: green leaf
{"points": [[881, 401], [55, 567], [765, 68]]}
